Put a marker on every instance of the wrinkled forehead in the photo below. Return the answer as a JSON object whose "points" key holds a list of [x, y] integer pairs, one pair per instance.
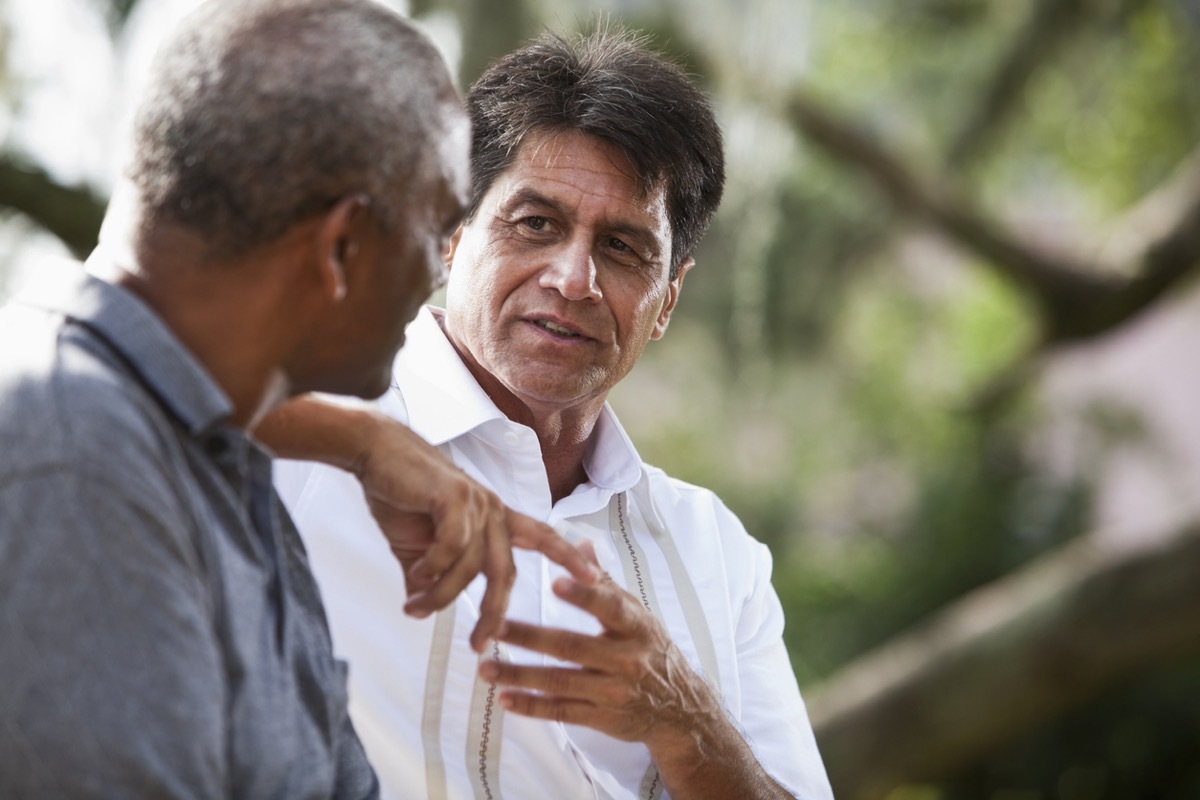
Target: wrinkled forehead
{"points": [[545, 149]]}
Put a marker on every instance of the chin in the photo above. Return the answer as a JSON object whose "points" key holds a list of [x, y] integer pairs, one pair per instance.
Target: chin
{"points": [[375, 386], [365, 384]]}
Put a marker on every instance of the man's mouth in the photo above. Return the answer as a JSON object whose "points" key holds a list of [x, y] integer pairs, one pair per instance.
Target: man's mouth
{"points": [[553, 328]]}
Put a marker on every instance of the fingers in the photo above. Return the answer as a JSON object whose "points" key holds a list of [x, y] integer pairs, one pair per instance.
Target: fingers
{"points": [[612, 606], [438, 592], [563, 682], [501, 573], [570, 712], [455, 556], [589, 552], [563, 694], [460, 516], [578, 648], [529, 534]]}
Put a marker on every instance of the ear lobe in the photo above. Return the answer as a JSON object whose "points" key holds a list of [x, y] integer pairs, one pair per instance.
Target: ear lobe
{"points": [[452, 247], [337, 244], [674, 287]]}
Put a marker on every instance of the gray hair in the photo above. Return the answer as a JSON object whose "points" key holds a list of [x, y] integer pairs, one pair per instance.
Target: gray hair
{"points": [[261, 113]]}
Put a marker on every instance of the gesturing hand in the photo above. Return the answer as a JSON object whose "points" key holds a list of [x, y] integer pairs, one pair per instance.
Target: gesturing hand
{"points": [[445, 528], [632, 682]]}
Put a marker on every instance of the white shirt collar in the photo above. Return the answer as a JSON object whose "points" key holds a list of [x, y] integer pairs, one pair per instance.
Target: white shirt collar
{"points": [[444, 402]]}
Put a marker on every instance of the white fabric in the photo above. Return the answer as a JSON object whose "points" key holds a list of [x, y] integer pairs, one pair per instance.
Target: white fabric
{"points": [[398, 701]]}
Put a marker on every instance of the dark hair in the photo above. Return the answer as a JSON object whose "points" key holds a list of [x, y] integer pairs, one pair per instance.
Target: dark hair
{"points": [[260, 113], [610, 85]]}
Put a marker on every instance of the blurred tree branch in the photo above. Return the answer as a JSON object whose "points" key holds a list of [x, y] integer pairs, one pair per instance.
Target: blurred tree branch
{"points": [[1076, 299], [1008, 657], [1050, 23], [490, 28], [72, 213], [119, 12]]}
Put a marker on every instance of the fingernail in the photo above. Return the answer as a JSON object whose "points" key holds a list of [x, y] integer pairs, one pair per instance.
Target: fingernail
{"points": [[418, 613], [489, 670]]}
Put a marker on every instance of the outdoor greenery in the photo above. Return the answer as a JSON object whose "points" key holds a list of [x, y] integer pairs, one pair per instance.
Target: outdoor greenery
{"points": [[930, 203]]}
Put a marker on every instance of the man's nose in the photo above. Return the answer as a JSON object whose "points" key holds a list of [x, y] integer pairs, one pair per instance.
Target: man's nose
{"points": [[572, 272]]}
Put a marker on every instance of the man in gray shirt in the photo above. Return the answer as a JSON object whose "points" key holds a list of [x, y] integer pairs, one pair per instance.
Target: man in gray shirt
{"points": [[296, 170]]}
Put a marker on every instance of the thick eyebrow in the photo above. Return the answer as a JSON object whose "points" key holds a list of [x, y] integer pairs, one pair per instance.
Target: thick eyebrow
{"points": [[531, 197], [526, 196]]}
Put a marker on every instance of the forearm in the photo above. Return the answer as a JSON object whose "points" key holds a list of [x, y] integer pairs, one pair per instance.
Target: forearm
{"points": [[307, 428], [711, 760]]}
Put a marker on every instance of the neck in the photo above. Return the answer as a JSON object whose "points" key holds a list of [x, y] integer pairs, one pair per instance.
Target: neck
{"points": [[564, 444], [217, 313], [565, 433]]}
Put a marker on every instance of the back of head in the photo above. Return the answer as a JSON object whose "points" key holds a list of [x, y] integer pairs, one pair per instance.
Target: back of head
{"points": [[610, 85], [260, 113]]}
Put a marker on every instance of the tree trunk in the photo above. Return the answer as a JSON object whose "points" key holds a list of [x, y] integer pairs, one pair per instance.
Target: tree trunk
{"points": [[1008, 657]]}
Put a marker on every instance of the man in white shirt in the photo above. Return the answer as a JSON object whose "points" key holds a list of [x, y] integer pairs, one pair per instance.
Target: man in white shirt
{"points": [[596, 167]]}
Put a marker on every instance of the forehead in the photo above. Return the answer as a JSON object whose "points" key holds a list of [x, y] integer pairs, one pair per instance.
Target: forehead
{"points": [[580, 170]]}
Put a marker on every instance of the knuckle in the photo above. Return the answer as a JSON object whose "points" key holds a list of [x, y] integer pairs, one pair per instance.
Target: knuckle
{"points": [[559, 682], [519, 702], [507, 579], [622, 610]]}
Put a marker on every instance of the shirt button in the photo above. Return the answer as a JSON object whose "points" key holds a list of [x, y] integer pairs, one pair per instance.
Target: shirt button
{"points": [[512, 438]]}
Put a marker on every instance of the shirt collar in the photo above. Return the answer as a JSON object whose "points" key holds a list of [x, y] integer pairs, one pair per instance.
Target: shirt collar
{"points": [[168, 369], [444, 402]]}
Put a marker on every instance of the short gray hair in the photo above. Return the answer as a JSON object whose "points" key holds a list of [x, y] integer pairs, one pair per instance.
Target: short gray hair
{"points": [[260, 113]]}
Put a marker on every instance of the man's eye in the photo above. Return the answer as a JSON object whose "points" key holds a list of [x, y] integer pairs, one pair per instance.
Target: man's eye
{"points": [[535, 223], [619, 246]]}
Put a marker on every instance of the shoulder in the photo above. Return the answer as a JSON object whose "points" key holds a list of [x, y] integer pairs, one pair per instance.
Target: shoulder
{"points": [[700, 521], [675, 497], [66, 398]]}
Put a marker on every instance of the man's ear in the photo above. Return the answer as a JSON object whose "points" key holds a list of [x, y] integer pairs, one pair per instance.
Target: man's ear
{"points": [[674, 287], [337, 243], [452, 247]]}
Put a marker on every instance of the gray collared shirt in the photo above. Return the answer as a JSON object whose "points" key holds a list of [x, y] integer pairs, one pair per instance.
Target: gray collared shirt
{"points": [[161, 634]]}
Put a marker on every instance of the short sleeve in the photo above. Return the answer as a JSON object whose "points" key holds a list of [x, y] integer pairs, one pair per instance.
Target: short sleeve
{"points": [[774, 719]]}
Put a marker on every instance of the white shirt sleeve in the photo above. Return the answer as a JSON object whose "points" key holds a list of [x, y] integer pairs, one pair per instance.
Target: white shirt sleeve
{"points": [[773, 717]]}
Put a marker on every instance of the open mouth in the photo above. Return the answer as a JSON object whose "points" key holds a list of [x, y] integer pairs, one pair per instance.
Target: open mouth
{"points": [[556, 329]]}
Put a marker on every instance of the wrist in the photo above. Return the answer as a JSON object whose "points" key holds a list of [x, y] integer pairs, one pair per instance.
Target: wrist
{"points": [[363, 430], [685, 744]]}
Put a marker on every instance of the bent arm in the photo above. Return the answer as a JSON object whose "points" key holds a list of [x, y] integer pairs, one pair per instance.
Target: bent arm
{"points": [[442, 526], [308, 428]]}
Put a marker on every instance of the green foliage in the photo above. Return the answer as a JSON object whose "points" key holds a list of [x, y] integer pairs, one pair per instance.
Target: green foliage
{"points": [[850, 438], [1114, 116], [881, 493]]}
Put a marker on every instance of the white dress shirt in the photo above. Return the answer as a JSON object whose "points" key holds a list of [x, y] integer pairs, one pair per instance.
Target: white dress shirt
{"points": [[431, 728]]}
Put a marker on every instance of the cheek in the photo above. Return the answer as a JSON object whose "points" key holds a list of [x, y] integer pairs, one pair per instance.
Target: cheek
{"points": [[646, 311]]}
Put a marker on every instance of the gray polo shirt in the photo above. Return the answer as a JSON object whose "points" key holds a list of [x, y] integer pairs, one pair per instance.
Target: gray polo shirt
{"points": [[161, 634]]}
